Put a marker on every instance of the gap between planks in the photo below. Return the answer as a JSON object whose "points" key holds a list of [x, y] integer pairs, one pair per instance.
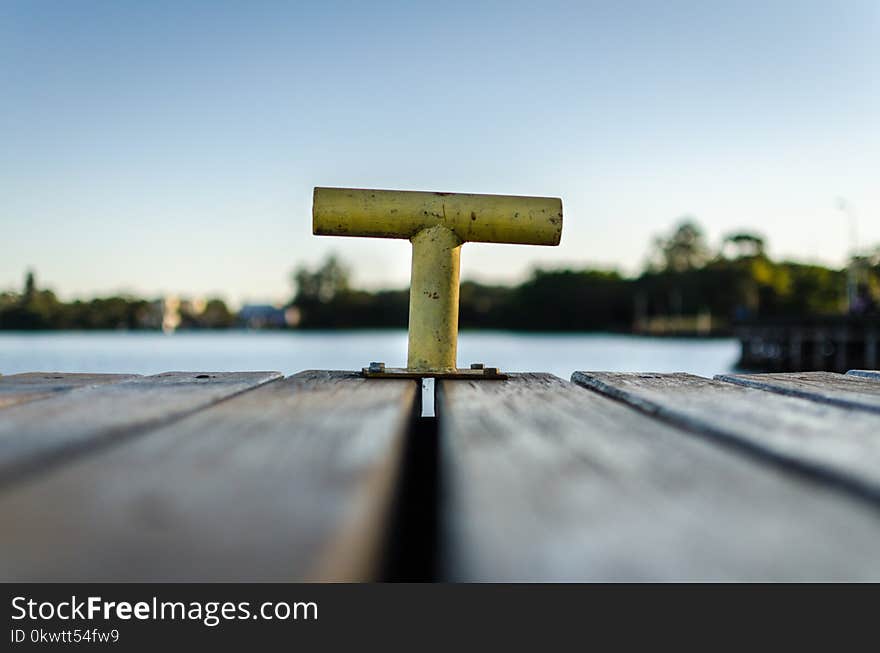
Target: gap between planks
{"points": [[827, 442], [848, 391]]}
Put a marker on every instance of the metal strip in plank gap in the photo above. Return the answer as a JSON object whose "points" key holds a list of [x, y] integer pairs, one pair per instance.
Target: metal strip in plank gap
{"points": [[30, 386], [544, 481], [291, 481], [831, 442], [827, 387], [868, 374], [36, 434]]}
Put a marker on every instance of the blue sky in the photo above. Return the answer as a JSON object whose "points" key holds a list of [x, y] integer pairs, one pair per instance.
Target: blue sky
{"points": [[173, 146]]}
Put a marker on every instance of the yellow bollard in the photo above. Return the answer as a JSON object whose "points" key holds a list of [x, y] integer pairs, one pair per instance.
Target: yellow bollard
{"points": [[437, 224]]}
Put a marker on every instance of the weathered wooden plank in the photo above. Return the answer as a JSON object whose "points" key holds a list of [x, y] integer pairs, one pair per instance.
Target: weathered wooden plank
{"points": [[832, 442], [292, 480], [868, 374], [37, 433], [545, 481], [22, 388], [827, 387]]}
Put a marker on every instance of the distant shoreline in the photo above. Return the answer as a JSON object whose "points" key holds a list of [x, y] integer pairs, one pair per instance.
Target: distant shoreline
{"points": [[352, 330]]}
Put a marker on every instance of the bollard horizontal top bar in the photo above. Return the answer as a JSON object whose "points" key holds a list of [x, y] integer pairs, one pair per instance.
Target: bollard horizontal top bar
{"points": [[402, 214]]}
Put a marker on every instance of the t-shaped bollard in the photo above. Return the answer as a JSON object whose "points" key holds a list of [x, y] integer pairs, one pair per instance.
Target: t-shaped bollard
{"points": [[437, 224]]}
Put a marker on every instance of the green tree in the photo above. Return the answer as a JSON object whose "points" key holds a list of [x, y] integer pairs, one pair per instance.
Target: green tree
{"points": [[216, 315], [684, 249], [30, 287], [322, 284]]}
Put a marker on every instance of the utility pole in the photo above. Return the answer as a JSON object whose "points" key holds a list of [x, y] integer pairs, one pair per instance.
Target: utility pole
{"points": [[846, 207]]}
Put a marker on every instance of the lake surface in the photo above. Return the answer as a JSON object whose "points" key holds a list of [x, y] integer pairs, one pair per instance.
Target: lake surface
{"points": [[293, 351]]}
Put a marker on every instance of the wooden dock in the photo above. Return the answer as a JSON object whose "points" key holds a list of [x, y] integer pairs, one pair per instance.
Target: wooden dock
{"points": [[325, 475]]}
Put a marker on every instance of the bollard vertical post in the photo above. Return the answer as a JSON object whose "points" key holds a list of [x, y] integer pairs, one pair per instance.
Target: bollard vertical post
{"points": [[433, 300]]}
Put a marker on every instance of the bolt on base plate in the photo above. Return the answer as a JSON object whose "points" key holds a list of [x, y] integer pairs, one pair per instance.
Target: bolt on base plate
{"points": [[477, 372]]}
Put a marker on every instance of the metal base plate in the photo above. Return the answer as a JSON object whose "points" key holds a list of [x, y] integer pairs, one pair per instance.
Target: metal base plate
{"points": [[482, 374]]}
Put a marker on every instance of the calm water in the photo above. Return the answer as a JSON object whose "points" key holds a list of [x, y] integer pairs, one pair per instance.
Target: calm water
{"points": [[289, 352]]}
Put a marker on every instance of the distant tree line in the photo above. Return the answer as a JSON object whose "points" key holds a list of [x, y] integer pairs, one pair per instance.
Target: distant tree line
{"points": [[683, 276], [36, 309]]}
